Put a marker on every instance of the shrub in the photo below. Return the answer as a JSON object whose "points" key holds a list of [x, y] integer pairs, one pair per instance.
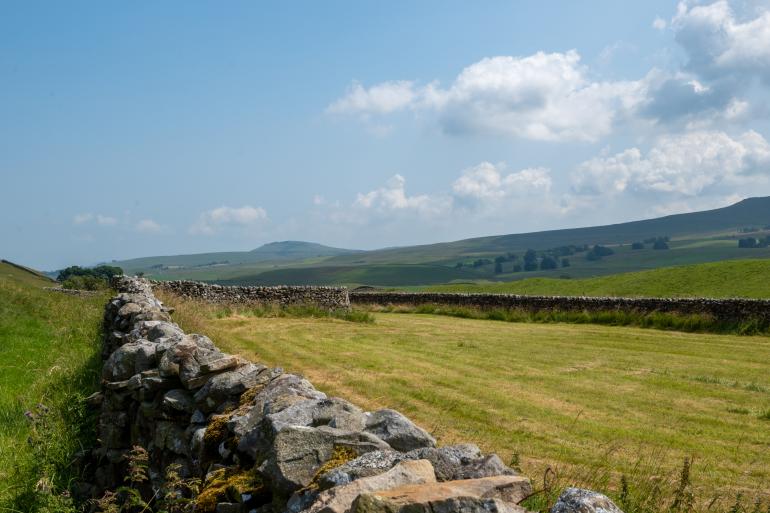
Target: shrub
{"points": [[548, 263], [637, 245]]}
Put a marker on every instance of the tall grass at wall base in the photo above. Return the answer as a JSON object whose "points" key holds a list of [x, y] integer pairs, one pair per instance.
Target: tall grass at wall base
{"points": [[205, 310], [49, 362], [698, 323]]}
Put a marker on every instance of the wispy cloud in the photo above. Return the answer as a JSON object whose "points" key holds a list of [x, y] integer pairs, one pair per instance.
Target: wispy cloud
{"points": [[211, 221]]}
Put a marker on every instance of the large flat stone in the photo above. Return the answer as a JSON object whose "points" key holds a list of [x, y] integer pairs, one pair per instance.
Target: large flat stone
{"points": [[485, 495]]}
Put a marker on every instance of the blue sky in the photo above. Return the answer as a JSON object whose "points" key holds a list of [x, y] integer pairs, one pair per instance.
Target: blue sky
{"points": [[145, 128]]}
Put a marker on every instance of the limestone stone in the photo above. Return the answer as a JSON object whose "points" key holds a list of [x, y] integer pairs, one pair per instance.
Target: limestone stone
{"points": [[297, 453], [340, 498], [578, 500], [485, 495], [398, 431]]}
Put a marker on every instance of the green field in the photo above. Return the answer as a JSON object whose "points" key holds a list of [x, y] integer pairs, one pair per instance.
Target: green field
{"points": [[590, 402], [737, 278], [49, 360]]}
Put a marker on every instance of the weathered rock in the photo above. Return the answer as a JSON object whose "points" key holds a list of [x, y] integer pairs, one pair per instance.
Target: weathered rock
{"points": [[129, 359], [485, 495], [298, 452], [451, 462], [334, 412], [178, 401], [171, 436], [223, 387], [340, 499], [369, 464], [463, 461], [578, 500], [398, 431], [164, 330]]}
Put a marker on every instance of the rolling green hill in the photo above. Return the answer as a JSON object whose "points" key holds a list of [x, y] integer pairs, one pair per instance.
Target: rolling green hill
{"points": [[747, 278], [274, 252], [708, 236]]}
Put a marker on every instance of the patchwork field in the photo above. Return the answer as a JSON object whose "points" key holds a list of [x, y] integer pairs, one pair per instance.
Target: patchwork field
{"points": [[590, 402], [746, 278], [49, 361]]}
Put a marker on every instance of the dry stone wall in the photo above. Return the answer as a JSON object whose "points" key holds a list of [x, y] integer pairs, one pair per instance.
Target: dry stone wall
{"points": [[263, 440], [728, 310], [328, 297]]}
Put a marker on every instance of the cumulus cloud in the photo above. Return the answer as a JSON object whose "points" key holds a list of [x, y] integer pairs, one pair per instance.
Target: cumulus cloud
{"points": [[392, 198], [148, 226], [486, 182], [545, 96], [659, 23], [211, 221], [684, 164], [100, 219], [717, 42]]}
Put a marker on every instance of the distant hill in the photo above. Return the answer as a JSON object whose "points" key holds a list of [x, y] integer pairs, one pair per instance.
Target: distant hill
{"points": [[749, 212], [707, 236], [297, 250], [744, 278], [281, 252]]}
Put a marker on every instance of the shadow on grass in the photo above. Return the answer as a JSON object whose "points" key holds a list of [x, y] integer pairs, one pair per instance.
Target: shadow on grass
{"points": [[61, 429]]}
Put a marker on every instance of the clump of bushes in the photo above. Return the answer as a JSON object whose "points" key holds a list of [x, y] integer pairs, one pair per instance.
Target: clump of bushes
{"points": [[88, 278]]}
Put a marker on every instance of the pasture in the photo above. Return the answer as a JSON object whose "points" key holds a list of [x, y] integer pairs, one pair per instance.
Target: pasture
{"points": [[49, 361], [592, 403]]}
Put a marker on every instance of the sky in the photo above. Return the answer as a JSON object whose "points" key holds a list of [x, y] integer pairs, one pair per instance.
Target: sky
{"points": [[145, 128]]}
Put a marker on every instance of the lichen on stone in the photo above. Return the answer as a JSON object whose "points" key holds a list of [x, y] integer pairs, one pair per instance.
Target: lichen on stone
{"points": [[226, 485], [339, 457]]}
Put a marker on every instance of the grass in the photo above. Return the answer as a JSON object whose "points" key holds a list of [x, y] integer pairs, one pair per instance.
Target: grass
{"points": [[589, 405], [221, 311], [49, 361], [742, 278], [693, 323]]}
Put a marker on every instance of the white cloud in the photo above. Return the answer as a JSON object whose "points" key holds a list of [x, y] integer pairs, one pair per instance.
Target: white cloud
{"points": [[485, 182], [717, 42], [148, 226], [393, 199], [213, 220], [659, 23], [685, 164], [545, 96], [100, 219], [105, 220], [82, 218], [379, 99]]}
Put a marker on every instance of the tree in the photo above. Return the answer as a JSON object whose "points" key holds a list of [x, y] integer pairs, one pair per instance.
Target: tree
{"points": [[637, 245], [565, 262], [517, 268], [598, 252], [530, 260], [749, 242], [548, 263], [660, 243], [498, 267]]}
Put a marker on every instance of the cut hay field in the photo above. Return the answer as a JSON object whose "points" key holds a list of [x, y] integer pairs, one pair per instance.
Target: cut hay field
{"points": [[49, 361], [591, 402]]}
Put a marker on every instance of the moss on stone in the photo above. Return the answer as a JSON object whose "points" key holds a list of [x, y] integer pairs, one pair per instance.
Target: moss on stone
{"points": [[339, 457], [226, 485]]}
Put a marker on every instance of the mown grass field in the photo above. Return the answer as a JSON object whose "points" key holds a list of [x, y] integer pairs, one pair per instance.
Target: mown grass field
{"points": [[740, 278], [49, 361], [590, 402]]}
